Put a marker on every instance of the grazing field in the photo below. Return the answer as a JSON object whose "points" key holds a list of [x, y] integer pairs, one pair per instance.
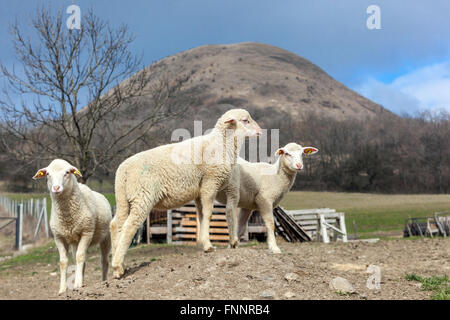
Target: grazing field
{"points": [[374, 214]]}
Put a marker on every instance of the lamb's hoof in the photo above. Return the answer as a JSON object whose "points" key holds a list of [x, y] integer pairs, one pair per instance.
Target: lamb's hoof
{"points": [[233, 245], [62, 291], [275, 250], [209, 249], [118, 272]]}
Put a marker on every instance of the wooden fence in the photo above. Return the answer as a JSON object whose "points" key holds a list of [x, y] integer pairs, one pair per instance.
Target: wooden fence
{"points": [[180, 225], [321, 224]]}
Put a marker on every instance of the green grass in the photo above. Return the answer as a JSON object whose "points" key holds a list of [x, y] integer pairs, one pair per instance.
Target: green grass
{"points": [[371, 212], [111, 198], [45, 254], [438, 285]]}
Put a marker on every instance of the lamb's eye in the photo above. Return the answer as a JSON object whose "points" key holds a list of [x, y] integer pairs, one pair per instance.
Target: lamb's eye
{"points": [[245, 121]]}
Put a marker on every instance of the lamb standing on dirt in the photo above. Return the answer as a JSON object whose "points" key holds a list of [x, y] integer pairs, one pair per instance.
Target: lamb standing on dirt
{"points": [[171, 175], [79, 218], [262, 186]]}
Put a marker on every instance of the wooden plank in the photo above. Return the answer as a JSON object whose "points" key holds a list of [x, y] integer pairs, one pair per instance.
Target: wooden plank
{"points": [[169, 226], [212, 223], [334, 215], [257, 229], [194, 210], [214, 237], [343, 227], [149, 232], [295, 231], [314, 222], [308, 228], [185, 209], [194, 230], [158, 230], [309, 211], [213, 217], [323, 230], [185, 236]]}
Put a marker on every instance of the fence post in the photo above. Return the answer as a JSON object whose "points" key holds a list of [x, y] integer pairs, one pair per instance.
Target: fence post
{"points": [[149, 234], [323, 229], [343, 227], [169, 226], [19, 226]]}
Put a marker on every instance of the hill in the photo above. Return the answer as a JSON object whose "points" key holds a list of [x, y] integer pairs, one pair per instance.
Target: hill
{"points": [[261, 76]]}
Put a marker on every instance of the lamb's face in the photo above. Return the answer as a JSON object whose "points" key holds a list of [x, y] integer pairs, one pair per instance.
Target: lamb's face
{"points": [[292, 155], [60, 176], [242, 123]]}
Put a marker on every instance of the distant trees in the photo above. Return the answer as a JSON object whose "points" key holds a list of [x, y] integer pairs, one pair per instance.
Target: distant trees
{"points": [[80, 95], [386, 154]]}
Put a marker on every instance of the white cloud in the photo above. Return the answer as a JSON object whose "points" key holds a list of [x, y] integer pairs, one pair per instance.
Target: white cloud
{"points": [[427, 88]]}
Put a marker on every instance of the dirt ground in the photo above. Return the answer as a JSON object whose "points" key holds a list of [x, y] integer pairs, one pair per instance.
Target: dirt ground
{"points": [[302, 271]]}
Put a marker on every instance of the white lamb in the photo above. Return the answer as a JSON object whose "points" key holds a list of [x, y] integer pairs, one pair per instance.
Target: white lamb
{"points": [[171, 175], [79, 218], [262, 186]]}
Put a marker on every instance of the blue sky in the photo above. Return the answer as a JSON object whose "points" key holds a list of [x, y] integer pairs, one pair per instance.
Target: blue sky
{"points": [[405, 66]]}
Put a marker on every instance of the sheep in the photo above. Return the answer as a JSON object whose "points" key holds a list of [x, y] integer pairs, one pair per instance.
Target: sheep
{"points": [[79, 218], [262, 186], [171, 175]]}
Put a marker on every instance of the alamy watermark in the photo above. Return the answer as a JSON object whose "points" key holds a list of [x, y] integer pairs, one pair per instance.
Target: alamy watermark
{"points": [[374, 20], [196, 151], [74, 20], [374, 280]]}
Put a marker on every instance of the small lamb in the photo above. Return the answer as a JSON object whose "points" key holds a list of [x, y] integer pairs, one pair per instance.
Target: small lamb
{"points": [[262, 186], [79, 218]]}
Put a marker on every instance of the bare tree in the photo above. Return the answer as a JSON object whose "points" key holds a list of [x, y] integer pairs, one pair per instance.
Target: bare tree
{"points": [[81, 94]]}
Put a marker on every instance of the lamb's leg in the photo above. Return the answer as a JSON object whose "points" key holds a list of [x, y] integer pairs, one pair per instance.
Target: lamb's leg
{"points": [[83, 245], [134, 221], [63, 248], [114, 232], [207, 204], [199, 209], [105, 248], [116, 224], [267, 215], [231, 212], [122, 211], [244, 215]]}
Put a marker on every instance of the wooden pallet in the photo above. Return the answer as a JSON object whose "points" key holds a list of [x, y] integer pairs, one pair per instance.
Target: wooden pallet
{"points": [[185, 225], [288, 228], [312, 221]]}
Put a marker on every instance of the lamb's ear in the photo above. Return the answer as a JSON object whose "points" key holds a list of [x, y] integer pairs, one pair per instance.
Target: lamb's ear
{"points": [[76, 172], [40, 174], [230, 120], [280, 151], [310, 150]]}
